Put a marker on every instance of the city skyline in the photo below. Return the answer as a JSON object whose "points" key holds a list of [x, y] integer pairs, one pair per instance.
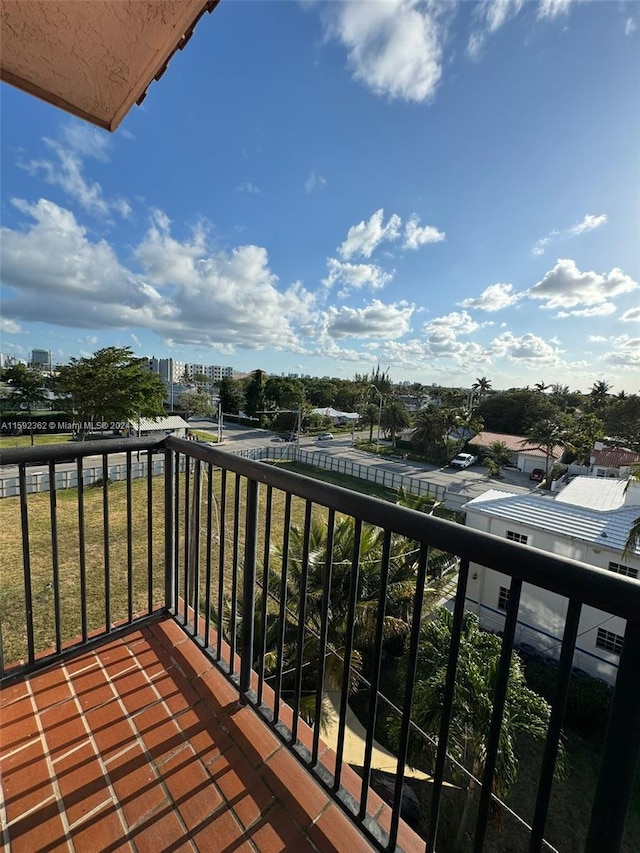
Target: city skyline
{"points": [[445, 191]]}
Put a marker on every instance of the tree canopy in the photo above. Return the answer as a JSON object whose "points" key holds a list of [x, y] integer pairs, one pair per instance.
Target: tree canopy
{"points": [[112, 386], [27, 389]]}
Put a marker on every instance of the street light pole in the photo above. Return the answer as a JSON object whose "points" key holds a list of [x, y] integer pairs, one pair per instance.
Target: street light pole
{"points": [[376, 389]]}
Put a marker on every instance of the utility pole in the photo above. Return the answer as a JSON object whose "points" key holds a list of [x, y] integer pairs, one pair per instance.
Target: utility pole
{"points": [[376, 389]]}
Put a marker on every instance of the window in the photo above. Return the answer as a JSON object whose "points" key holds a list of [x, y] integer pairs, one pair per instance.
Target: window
{"points": [[503, 598], [609, 642], [517, 537], [621, 569]]}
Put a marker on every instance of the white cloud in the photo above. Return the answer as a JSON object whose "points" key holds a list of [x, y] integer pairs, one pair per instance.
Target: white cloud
{"points": [[596, 339], [415, 236], [602, 310], [314, 182], [527, 348], [493, 298], [363, 238], [186, 294], [136, 340], [629, 26], [490, 16], [589, 223], [632, 315], [565, 286], [625, 353], [392, 47], [457, 322], [377, 320], [65, 170], [355, 276], [10, 327], [248, 187], [553, 8], [87, 141]]}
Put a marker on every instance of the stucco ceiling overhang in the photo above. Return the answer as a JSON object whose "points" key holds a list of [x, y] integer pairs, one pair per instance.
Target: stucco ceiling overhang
{"points": [[93, 58]]}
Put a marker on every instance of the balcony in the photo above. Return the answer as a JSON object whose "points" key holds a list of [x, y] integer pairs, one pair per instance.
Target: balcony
{"points": [[161, 683]]}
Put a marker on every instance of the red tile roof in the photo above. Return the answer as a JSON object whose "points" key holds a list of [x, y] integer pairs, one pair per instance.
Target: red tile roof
{"points": [[515, 443], [614, 457]]}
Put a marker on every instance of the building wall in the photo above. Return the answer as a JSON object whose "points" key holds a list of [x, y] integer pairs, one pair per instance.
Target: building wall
{"points": [[541, 614]]}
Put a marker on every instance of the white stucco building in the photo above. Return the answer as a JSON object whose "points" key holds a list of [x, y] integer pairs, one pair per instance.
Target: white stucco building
{"points": [[589, 520]]}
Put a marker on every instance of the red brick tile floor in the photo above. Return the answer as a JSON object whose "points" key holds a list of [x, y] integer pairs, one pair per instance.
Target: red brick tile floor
{"points": [[141, 745]]}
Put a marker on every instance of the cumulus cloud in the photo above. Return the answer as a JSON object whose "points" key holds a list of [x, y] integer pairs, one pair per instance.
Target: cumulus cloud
{"points": [[527, 348], [589, 223], [377, 320], [596, 339], [314, 182], [632, 315], [493, 298], [595, 311], [355, 276], [457, 322], [566, 287], [65, 170], [183, 291], [363, 238], [10, 327], [625, 353], [393, 48], [415, 236]]}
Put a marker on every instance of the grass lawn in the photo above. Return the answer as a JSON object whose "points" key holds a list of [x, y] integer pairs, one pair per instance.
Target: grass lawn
{"points": [[356, 484], [38, 438]]}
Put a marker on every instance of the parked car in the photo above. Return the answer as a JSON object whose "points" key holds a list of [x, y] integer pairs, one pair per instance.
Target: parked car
{"points": [[325, 436], [463, 460], [537, 475]]}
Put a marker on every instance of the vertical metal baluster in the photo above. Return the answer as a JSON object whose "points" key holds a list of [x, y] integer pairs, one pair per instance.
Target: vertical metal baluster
{"points": [[249, 588], [234, 574], [282, 615], [620, 753], [55, 559], [129, 542], [222, 557], [187, 536], [447, 703], [195, 549], [408, 695], [207, 588], [82, 549], [149, 530], [26, 560], [502, 683], [555, 725], [105, 528], [176, 539], [265, 591], [169, 532], [302, 621], [324, 632], [375, 679], [348, 649]]}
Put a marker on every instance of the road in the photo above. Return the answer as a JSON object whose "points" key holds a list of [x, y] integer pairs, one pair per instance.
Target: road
{"points": [[469, 482]]}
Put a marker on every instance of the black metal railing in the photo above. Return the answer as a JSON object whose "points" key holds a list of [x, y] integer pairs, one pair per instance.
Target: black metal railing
{"points": [[246, 557]]}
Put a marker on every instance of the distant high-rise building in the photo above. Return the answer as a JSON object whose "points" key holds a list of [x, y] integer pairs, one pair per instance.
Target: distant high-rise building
{"points": [[41, 358], [175, 371]]}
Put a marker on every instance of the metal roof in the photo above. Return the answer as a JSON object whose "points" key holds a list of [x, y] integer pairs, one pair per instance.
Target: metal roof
{"points": [[159, 424], [93, 59], [607, 529]]}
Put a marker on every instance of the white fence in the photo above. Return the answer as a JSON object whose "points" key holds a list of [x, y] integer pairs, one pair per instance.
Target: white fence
{"points": [[39, 482]]}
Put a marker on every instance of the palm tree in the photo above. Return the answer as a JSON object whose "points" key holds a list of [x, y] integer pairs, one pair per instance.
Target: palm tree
{"points": [[547, 434], [498, 455], [525, 712], [426, 429], [541, 387], [395, 418], [369, 417], [481, 385], [599, 395]]}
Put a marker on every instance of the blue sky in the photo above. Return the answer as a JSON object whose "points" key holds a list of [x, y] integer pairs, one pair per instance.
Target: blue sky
{"points": [[448, 190]]}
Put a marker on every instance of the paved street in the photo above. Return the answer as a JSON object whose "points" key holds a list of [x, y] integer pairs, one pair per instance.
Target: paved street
{"points": [[467, 483]]}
